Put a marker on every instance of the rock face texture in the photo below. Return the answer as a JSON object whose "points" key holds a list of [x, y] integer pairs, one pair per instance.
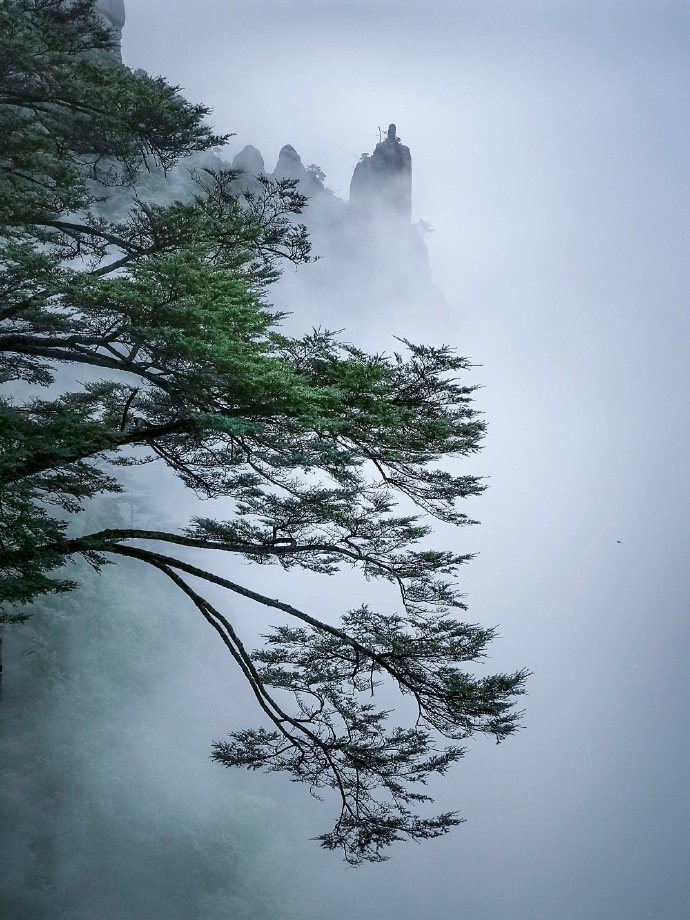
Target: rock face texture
{"points": [[382, 183], [113, 11], [250, 161], [289, 165]]}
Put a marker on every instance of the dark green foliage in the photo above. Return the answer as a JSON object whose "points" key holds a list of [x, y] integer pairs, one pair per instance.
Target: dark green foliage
{"points": [[71, 114], [341, 741], [316, 443]]}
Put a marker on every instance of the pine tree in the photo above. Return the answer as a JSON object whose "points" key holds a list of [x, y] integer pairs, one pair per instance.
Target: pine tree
{"points": [[330, 457]]}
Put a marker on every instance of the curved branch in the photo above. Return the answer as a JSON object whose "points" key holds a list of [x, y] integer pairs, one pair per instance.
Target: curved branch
{"points": [[147, 556], [236, 648]]}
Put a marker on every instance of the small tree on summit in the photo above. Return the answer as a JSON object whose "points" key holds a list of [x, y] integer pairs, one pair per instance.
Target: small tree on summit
{"points": [[315, 443]]}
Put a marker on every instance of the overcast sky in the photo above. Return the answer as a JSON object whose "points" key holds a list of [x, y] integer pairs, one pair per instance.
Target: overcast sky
{"points": [[550, 153]]}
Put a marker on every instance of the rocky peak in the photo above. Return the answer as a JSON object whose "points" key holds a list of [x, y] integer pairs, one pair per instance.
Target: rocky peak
{"points": [[382, 182], [289, 165], [250, 161]]}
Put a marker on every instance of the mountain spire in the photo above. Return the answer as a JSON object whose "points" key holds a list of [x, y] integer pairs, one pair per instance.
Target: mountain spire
{"points": [[382, 183]]}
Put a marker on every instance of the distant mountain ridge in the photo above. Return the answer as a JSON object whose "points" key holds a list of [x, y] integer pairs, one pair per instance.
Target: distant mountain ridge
{"points": [[372, 260]]}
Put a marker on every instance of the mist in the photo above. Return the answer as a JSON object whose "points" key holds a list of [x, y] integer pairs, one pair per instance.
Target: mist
{"points": [[549, 154]]}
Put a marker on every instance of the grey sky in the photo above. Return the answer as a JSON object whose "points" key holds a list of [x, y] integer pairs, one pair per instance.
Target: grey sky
{"points": [[549, 144]]}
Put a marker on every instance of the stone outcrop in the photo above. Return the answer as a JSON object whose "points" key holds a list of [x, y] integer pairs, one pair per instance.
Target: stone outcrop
{"points": [[289, 165], [382, 183], [371, 257], [250, 161], [113, 11]]}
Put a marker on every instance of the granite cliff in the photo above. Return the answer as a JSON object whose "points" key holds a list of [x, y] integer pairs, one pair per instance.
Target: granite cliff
{"points": [[113, 11], [382, 183], [372, 260]]}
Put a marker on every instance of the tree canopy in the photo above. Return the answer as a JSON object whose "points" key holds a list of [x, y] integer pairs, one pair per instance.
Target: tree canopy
{"points": [[329, 457]]}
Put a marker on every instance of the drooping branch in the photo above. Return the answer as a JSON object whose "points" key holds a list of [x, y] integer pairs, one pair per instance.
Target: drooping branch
{"points": [[293, 730], [341, 743], [310, 441], [437, 698]]}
